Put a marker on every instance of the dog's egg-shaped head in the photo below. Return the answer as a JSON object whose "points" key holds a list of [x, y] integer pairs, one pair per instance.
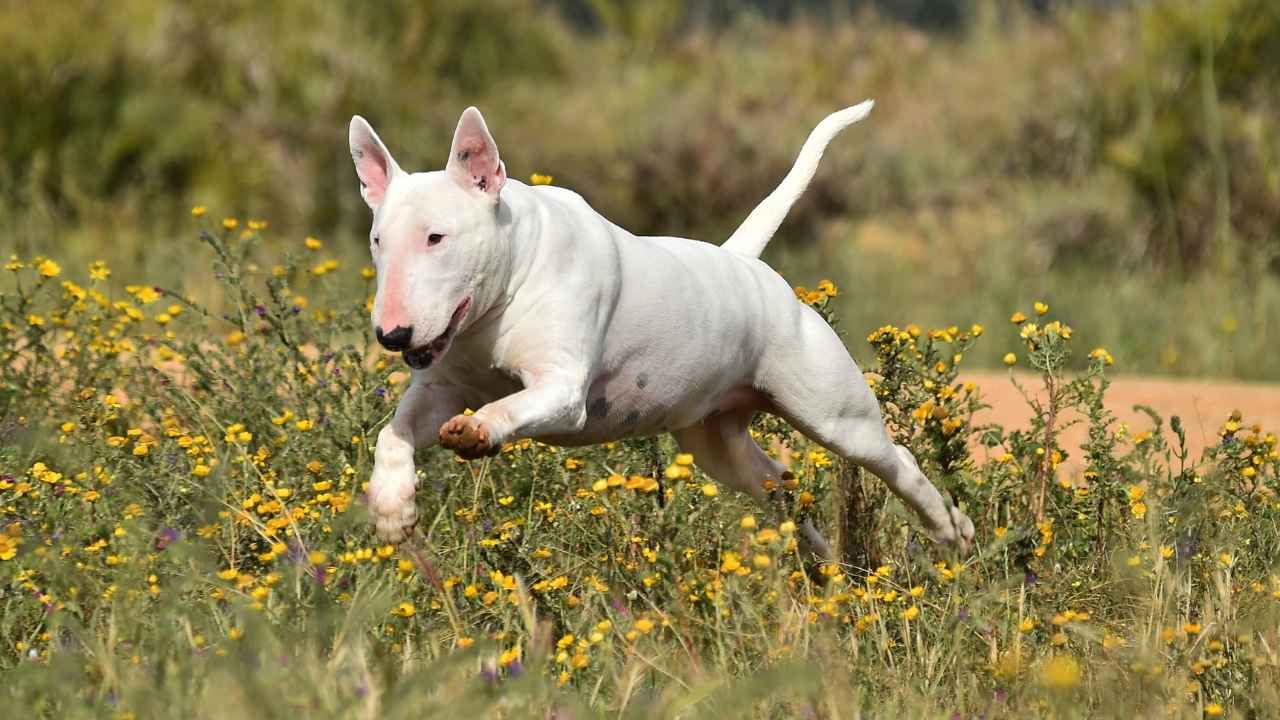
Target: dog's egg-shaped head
{"points": [[433, 239]]}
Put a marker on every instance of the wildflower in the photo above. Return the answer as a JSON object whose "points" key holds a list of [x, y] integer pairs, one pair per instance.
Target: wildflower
{"points": [[198, 211], [540, 179], [1010, 359], [1100, 353], [710, 490], [49, 268], [1018, 318], [312, 243], [730, 562], [1213, 709], [405, 610], [1061, 672], [230, 223], [98, 270], [644, 625], [1041, 308], [748, 522], [8, 547], [14, 264]]}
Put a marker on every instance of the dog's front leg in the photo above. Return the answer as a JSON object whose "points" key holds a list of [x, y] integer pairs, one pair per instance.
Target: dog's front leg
{"points": [[552, 403], [421, 412]]}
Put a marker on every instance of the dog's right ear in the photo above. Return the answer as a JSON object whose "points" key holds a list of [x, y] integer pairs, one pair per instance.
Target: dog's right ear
{"points": [[374, 163]]}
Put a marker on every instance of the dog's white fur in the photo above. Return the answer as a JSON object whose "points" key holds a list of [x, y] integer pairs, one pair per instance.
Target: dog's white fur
{"points": [[558, 325]]}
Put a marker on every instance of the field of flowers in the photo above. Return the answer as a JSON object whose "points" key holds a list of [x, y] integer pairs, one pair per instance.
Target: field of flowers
{"points": [[182, 534]]}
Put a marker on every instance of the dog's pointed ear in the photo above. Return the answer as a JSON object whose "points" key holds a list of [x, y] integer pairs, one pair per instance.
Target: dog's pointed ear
{"points": [[473, 160], [374, 163]]}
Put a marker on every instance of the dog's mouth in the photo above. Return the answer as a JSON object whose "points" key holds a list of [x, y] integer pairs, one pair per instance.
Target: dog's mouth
{"points": [[421, 357]]}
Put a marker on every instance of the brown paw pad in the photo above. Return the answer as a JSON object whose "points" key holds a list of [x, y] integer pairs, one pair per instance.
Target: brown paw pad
{"points": [[468, 437]]}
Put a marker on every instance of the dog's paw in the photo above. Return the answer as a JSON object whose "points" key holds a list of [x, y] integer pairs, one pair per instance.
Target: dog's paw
{"points": [[391, 501], [469, 437], [955, 531]]}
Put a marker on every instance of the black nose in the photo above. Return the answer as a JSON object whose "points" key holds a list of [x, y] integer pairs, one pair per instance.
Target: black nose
{"points": [[395, 340]]}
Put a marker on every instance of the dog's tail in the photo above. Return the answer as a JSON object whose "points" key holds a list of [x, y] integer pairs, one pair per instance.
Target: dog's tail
{"points": [[756, 231]]}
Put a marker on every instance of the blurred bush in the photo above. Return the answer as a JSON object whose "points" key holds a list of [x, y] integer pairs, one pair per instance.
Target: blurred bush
{"points": [[1073, 138]]}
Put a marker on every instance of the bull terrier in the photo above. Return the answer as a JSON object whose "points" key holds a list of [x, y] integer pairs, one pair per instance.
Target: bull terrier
{"points": [[555, 324]]}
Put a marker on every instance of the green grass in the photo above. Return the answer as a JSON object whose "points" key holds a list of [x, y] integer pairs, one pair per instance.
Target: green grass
{"points": [[182, 532]]}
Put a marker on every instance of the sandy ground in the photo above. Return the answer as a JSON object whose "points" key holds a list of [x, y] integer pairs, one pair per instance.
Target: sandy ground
{"points": [[1203, 405]]}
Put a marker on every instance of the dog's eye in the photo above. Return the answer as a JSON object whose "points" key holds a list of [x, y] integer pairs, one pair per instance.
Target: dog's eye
{"points": [[434, 239]]}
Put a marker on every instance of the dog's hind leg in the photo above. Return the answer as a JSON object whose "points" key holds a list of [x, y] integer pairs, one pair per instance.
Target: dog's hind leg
{"points": [[722, 447], [818, 388]]}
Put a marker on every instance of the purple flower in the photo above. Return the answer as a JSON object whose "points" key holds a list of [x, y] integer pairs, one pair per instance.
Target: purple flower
{"points": [[166, 537], [262, 311]]}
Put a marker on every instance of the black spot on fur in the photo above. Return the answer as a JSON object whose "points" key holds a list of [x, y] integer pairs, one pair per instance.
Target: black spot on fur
{"points": [[598, 408], [632, 417], [641, 380], [482, 183]]}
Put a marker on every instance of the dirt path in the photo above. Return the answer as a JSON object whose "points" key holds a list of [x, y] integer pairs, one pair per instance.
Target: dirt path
{"points": [[1203, 405]]}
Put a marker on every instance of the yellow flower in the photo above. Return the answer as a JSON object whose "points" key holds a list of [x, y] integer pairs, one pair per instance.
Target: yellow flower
{"points": [[1061, 672], [748, 522], [684, 459], [1010, 359], [49, 268], [1018, 318], [1213, 710], [230, 223], [644, 625], [312, 243], [304, 425], [710, 490], [368, 273], [1041, 308], [730, 562], [540, 179], [99, 271], [405, 610], [198, 211], [1139, 509], [8, 547], [35, 321], [1100, 353], [911, 613]]}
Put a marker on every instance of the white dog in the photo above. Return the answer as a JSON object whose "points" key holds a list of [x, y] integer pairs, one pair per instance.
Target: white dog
{"points": [[558, 325]]}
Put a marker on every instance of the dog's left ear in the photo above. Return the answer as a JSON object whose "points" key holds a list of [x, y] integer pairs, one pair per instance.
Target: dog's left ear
{"points": [[473, 160]]}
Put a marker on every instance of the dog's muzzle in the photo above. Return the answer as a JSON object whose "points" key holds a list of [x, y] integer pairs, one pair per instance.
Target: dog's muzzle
{"points": [[421, 357]]}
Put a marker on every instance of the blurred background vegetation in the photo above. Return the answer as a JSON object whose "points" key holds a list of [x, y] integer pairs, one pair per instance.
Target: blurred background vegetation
{"points": [[1121, 161]]}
